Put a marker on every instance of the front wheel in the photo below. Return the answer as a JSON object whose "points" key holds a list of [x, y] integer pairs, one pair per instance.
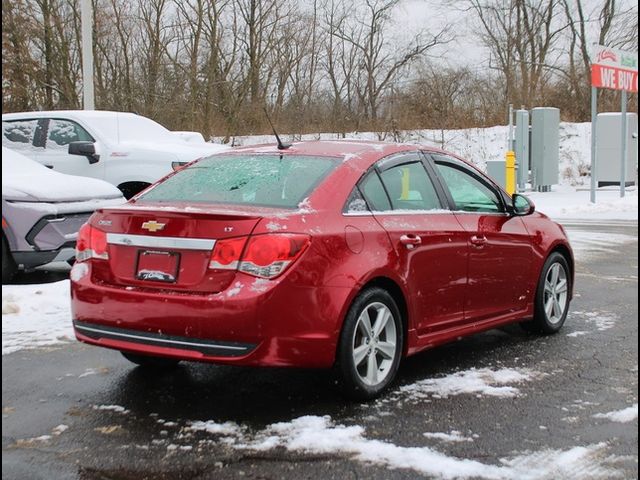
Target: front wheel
{"points": [[370, 346], [552, 296], [148, 361]]}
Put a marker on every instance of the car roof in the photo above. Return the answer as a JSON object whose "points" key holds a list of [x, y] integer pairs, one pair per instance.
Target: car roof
{"points": [[338, 148], [88, 114]]}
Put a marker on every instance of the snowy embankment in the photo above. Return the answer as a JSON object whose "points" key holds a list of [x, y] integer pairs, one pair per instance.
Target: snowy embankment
{"points": [[569, 199]]}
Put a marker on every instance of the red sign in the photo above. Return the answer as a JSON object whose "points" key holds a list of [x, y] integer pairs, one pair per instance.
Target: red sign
{"points": [[614, 78], [614, 69]]}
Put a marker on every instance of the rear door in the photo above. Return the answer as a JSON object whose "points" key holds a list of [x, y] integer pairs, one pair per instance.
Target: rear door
{"points": [[500, 253], [429, 241]]}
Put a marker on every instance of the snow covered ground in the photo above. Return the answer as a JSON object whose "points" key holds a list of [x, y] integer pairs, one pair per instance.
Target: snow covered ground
{"points": [[35, 316]]}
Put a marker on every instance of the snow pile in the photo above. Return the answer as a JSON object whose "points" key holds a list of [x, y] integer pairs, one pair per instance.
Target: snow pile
{"points": [[320, 435], [453, 436], [565, 202], [626, 415], [484, 381], [35, 316], [226, 428]]}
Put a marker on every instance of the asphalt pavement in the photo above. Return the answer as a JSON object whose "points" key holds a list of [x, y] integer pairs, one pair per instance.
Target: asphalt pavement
{"points": [[591, 367]]}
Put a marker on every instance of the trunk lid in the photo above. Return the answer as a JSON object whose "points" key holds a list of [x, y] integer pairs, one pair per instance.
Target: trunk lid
{"points": [[167, 248]]}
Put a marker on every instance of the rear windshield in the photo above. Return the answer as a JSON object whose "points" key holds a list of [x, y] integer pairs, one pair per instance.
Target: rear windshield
{"points": [[269, 180]]}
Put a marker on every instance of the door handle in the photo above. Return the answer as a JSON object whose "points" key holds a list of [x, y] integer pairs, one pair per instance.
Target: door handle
{"points": [[410, 240], [478, 241]]}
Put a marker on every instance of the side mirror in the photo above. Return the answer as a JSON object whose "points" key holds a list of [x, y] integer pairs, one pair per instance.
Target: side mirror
{"points": [[86, 149], [521, 205]]}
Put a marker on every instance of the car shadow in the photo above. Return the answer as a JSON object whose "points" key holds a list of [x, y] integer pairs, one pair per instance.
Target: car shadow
{"points": [[50, 273]]}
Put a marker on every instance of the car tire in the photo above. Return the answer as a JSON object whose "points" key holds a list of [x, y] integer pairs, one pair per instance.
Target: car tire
{"points": [[370, 345], [149, 361], [552, 296], [9, 267]]}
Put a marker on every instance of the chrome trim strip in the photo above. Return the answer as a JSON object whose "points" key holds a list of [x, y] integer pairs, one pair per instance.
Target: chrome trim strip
{"points": [[158, 340], [160, 242]]}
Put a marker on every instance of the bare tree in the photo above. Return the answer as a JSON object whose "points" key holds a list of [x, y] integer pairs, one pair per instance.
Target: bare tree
{"points": [[523, 37], [378, 63]]}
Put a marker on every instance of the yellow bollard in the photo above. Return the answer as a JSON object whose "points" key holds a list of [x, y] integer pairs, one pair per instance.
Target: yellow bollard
{"points": [[510, 176]]}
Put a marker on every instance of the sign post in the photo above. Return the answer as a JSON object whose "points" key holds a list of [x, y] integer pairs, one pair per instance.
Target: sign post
{"points": [[616, 70]]}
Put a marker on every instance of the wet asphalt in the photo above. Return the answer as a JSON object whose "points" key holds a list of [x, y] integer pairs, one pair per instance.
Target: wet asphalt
{"points": [[590, 373]]}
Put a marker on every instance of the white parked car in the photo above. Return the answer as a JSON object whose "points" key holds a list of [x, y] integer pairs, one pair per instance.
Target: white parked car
{"points": [[127, 150], [43, 210]]}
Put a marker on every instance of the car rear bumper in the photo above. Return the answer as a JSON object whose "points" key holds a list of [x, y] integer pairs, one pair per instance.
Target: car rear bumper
{"points": [[253, 322]]}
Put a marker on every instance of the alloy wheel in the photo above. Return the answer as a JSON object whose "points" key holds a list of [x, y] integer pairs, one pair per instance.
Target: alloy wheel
{"points": [[374, 343]]}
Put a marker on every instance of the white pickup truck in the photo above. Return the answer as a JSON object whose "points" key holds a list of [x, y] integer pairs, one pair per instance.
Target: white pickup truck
{"points": [[128, 150]]}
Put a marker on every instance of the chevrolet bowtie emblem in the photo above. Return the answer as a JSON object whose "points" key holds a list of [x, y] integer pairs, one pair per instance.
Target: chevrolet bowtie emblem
{"points": [[153, 226]]}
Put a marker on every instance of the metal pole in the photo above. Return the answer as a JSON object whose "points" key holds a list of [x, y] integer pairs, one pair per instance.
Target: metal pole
{"points": [[87, 54], [623, 160], [510, 139], [594, 116]]}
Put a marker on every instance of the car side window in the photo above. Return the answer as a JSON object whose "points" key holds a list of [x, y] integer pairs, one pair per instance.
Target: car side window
{"points": [[19, 134], [62, 132], [469, 193], [410, 188], [356, 202], [374, 193]]}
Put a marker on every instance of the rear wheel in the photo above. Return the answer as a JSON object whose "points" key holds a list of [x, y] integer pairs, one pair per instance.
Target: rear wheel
{"points": [[9, 267], [149, 361], [552, 296], [371, 344]]}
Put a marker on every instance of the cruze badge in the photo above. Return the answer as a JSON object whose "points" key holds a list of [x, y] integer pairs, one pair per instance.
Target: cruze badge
{"points": [[153, 226]]}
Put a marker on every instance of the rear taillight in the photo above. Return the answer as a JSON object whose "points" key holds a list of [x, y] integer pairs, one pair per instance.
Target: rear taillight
{"points": [[265, 256], [226, 253], [91, 243]]}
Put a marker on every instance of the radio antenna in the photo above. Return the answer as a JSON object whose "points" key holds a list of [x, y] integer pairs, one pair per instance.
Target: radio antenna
{"points": [[281, 146]]}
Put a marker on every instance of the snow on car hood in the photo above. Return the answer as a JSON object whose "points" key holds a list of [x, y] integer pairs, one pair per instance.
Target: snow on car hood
{"points": [[26, 180]]}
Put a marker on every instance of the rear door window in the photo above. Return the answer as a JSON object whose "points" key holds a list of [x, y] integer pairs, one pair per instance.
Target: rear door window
{"points": [[269, 180], [410, 188]]}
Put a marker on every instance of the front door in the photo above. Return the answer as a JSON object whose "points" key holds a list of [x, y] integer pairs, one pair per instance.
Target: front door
{"points": [[500, 252], [55, 152]]}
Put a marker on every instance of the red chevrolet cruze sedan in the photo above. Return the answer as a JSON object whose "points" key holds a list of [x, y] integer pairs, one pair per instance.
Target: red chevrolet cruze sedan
{"points": [[345, 254]]}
